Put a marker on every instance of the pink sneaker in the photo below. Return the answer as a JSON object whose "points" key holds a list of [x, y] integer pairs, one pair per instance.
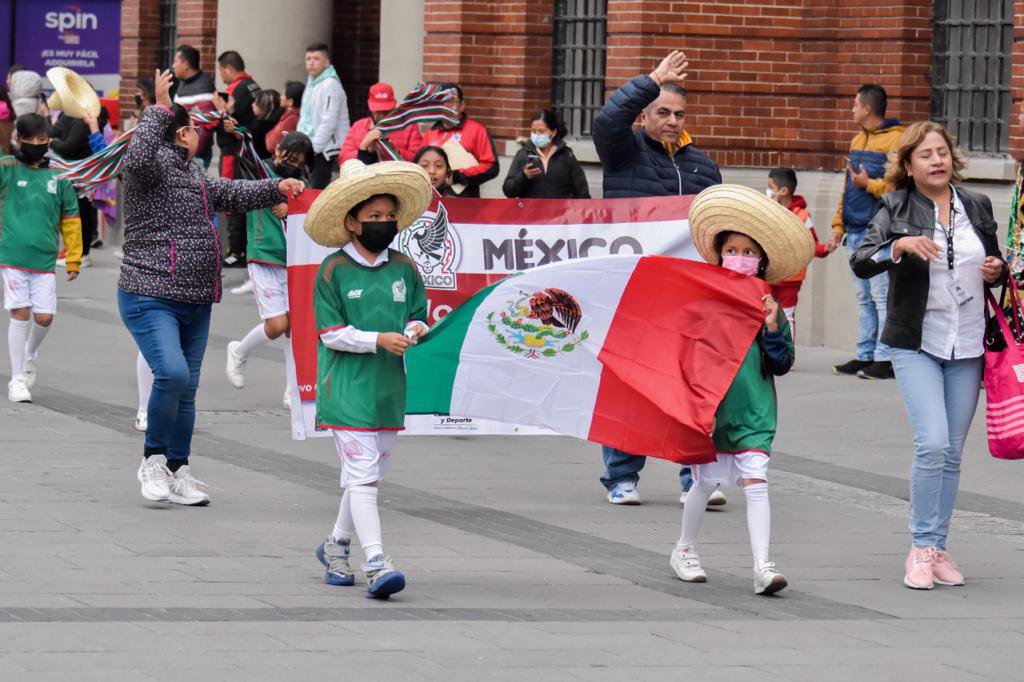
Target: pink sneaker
{"points": [[919, 568], [945, 570]]}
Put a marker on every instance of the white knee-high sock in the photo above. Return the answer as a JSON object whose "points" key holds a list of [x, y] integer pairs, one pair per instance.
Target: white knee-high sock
{"points": [[693, 512], [759, 521], [144, 377], [366, 518], [343, 526], [256, 337], [17, 337], [36, 334]]}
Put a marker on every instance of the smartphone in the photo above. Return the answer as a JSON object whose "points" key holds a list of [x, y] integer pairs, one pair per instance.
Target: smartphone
{"points": [[534, 161]]}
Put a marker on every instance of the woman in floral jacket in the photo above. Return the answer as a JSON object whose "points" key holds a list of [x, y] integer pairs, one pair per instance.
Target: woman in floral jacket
{"points": [[170, 277]]}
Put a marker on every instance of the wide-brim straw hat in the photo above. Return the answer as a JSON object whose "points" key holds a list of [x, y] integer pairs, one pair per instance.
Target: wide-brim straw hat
{"points": [[733, 208], [357, 182], [73, 95]]}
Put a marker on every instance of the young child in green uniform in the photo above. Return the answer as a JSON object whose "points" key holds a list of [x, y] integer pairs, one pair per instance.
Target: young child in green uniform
{"points": [[267, 262], [36, 210], [742, 230], [370, 306]]}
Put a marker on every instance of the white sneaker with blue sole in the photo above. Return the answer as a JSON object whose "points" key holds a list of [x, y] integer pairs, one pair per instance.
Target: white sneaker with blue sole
{"points": [[334, 557], [382, 580]]}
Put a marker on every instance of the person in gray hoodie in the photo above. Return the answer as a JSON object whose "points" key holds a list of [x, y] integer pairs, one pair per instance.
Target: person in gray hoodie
{"points": [[26, 90]]}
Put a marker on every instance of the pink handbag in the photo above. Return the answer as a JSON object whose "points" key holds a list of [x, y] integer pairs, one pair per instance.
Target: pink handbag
{"points": [[1004, 380]]}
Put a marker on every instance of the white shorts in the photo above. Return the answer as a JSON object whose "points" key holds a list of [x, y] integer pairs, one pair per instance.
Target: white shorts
{"points": [[729, 469], [36, 290], [270, 284], [364, 455]]}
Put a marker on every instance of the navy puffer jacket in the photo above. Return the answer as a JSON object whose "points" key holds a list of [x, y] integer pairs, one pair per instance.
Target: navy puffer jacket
{"points": [[634, 164]]}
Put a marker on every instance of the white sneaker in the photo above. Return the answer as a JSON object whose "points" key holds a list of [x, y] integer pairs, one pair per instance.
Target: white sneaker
{"points": [[61, 262], [287, 399], [29, 372], [86, 262], [767, 580], [717, 498], [624, 493], [686, 563], [185, 489], [236, 366], [17, 390], [141, 420], [155, 478], [243, 288]]}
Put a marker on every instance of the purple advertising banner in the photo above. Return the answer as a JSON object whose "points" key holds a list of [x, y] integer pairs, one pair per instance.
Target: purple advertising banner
{"points": [[5, 36], [84, 36]]}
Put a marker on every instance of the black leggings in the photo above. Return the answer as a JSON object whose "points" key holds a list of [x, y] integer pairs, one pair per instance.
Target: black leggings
{"points": [[87, 213]]}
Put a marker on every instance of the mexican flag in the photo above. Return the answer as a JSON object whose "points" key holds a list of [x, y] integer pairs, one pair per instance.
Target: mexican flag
{"points": [[634, 352]]}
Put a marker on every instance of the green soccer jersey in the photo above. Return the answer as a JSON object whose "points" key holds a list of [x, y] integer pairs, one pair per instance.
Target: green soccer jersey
{"points": [[364, 390], [265, 240], [35, 209], [747, 417]]}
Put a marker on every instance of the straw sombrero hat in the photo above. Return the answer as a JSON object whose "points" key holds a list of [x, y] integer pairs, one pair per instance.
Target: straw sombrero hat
{"points": [[73, 95], [325, 221], [734, 208]]}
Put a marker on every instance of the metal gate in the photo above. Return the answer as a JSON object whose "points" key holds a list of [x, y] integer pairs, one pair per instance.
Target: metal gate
{"points": [[578, 64], [168, 32], [973, 46]]}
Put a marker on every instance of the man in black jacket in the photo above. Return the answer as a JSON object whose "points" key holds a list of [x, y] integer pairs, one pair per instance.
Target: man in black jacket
{"points": [[194, 89], [70, 140], [656, 159]]}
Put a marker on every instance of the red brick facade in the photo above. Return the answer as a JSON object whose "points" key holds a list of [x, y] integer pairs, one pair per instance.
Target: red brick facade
{"points": [[771, 81]]}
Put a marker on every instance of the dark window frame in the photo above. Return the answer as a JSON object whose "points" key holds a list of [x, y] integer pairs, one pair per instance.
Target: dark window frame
{"points": [[971, 72], [579, 40], [168, 33]]}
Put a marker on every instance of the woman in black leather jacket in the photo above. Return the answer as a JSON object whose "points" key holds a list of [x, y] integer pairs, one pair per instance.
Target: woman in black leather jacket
{"points": [[938, 243]]}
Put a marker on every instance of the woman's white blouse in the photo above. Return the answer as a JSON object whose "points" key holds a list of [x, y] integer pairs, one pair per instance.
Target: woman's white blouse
{"points": [[951, 330]]}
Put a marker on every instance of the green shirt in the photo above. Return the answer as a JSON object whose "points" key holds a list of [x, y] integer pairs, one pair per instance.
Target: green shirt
{"points": [[364, 390], [265, 240], [747, 417], [33, 203]]}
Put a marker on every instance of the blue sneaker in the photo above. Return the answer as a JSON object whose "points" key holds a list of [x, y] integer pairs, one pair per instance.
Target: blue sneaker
{"points": [[334, 556], [624, 493], [381, 578]]}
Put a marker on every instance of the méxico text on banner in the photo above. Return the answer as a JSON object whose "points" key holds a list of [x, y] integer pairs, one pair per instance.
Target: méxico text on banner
{"points": [[464, 245]]}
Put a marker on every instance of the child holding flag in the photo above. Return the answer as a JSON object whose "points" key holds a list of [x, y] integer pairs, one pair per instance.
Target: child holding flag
{"points": [[745, 231], [267, 262], [37, 210], [370, 307]]}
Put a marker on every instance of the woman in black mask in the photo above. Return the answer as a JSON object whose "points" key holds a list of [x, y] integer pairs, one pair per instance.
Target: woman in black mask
{"points": [[267, 263]]}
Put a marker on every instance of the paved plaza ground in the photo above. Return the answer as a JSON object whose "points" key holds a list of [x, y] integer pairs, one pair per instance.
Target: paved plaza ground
{"points": [[517, 567]]}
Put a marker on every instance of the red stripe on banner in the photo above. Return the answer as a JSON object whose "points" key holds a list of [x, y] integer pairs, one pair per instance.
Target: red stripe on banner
{"points": [[301, 203], [566, 211], [301, 279], [663, 376]]}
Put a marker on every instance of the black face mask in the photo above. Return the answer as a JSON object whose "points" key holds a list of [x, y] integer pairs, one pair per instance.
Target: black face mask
{"points": [[31, 153], [377, 236], [286, 170]]}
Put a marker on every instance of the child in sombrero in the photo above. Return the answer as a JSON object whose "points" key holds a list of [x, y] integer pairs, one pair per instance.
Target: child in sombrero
{"points": [[744, 231], [370, 306]]}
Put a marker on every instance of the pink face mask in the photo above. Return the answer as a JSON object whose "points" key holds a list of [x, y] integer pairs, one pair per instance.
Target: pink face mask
{"points": [[745, 265]]}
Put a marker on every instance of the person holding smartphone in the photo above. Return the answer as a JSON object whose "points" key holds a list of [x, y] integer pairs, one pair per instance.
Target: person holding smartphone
{"points": [[545, 168]]}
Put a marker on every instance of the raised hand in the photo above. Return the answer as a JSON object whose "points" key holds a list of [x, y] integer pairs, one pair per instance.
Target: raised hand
{"points": [[162, 82], [672, 69]]}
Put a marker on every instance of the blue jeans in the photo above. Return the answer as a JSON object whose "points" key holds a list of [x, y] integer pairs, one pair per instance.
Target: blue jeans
{"points": [[172, 337], [622, 467], [940, 397], [872, 295]]}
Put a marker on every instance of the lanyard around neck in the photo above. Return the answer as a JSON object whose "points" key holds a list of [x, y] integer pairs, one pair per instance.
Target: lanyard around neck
{"points": [[949, 231]]}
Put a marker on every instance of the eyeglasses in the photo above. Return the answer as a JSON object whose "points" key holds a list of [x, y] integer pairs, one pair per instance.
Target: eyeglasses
{"points": [[194, 128]]}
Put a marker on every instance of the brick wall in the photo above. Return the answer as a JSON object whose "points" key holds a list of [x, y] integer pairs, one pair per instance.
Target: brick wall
{"points": [[1017, 79], [197, 26], [499, 52], [140, 37], [356, 50]]}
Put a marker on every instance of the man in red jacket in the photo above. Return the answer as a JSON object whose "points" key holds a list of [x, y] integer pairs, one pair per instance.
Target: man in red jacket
{"points": [[361, 141], [475, 139]]}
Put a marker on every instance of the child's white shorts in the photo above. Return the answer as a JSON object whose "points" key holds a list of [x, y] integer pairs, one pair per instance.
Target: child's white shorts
{"points": [[36, 290], [270, 284], [729, 469], [364, 455]]}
